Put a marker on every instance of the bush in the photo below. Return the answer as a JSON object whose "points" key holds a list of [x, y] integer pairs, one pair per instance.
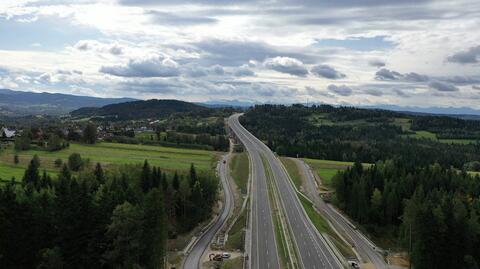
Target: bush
{"points": [[472, 166], [55, 143], [75, 162], [58, 163], [22, 143]]}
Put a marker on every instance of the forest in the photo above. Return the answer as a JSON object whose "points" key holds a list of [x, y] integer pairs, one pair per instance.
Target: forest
{"points": [[353, 134], [440, 207], [97, 218], [414, 184]]}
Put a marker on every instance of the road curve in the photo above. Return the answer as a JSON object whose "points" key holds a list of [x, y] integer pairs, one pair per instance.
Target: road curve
{"points": [[313, 250], [365, 248], [194, 256], [263, 252]]}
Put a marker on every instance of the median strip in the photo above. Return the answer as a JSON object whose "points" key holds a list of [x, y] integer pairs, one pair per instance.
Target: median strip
{"points": [[289, 255]]}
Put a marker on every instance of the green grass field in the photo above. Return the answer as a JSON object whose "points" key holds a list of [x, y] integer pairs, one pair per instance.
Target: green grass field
{"points": [[327, 169], [240, 169], [111, 154], [292, 169], [433, 136], [403, 122]]}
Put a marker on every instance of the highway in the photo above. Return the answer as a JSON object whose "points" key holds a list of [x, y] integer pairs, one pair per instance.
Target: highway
{"points": [[194, 256], [263, 252], [313, 250], [363, 246]]}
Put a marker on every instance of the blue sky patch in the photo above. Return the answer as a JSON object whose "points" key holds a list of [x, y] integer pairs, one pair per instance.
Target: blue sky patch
{"points": [[358, 43], [46, 34]]}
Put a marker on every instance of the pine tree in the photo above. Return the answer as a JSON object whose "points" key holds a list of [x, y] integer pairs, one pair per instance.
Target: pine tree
{"points": [[155, 230], [90, 134], [125, 232], [193, 175], [99, 174], [146, 177], [176, 181], [31, 174]]}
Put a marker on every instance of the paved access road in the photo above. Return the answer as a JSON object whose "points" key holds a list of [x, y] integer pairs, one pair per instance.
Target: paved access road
{"points": [[313, 250], [194, 256], [263, 243], [365, 248]]}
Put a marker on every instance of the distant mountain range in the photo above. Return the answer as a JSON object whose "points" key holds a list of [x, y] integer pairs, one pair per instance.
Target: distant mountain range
{"points": [[19, 103], [139, 109]]}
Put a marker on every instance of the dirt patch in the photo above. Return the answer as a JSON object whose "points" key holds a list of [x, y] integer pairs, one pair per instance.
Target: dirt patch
{"points": [[398, 259], [367, 266]]}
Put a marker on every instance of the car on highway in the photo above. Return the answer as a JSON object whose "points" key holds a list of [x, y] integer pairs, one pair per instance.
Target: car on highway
{"points": [[354, 264], [226, 255]]}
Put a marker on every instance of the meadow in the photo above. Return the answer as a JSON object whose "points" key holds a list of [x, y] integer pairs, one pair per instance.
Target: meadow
{"points": [[327, 169], [110, 155]]}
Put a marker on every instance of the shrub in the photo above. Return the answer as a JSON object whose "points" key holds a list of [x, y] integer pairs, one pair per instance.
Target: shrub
{"points": [[75, 162]]}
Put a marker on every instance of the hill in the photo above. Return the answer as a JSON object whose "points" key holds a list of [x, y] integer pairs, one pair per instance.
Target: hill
{"points": [[21, 103], [153, 108]]}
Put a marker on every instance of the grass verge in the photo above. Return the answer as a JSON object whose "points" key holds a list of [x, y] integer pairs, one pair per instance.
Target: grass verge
{"points": [[236, 235], [235, 263], [292, 169], [240, 169]]}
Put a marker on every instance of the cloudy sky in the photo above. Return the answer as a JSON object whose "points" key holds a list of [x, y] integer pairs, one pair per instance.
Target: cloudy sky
{"points": [[358, 52]]}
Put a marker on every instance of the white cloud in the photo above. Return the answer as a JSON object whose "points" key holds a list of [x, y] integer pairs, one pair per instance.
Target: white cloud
{"points": [[153, 66], [194, 46], [286, 65]]}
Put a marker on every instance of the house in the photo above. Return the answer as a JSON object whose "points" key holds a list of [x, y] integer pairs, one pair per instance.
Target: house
{"points": [[7, 133]]}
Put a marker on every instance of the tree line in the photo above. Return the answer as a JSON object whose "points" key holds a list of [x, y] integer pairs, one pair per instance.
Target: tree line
{"points": [[448, 127], [289, 130], [440, 206], [99, 219]]}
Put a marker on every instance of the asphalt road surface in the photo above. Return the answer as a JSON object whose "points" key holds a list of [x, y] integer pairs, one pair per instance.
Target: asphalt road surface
{"points": [[194, 256], [365, 248], [314, 252], [263, 243]]}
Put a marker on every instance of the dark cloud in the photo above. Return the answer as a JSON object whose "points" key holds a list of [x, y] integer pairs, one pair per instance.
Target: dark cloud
{"points": [[93, 45], [385, 74], [475, 87], [442, 86], [116, 50], [83, 45], [326, 72], [462, 80], [374, 92], [156, 66], [243, 71], [415, 77], [218, 70], [196, 72], [314, 92], [236, 53], [376, 63], [471, 55], [286, 65], [340, 90], [166, 18], [401, 93]]}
